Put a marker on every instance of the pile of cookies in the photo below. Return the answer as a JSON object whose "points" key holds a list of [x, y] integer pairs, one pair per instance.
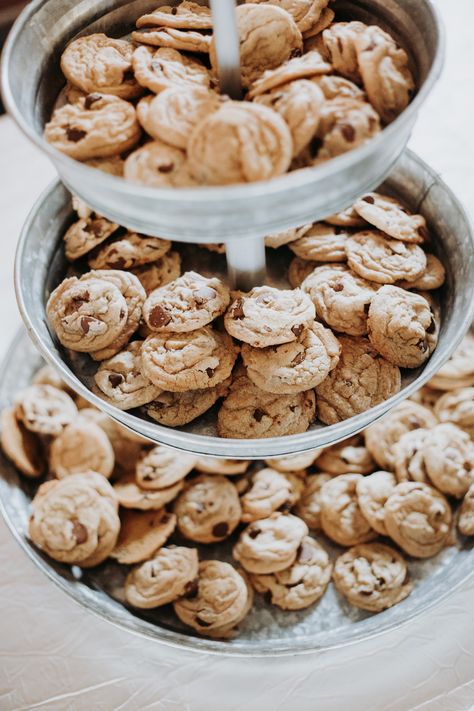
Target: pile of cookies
{"points": [[358, 306], [401, 480], [149, 108]]}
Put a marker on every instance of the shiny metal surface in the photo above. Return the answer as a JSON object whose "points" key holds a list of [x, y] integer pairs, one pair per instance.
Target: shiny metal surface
{"points": [[40, 265], [267, 631], [31, 81]]}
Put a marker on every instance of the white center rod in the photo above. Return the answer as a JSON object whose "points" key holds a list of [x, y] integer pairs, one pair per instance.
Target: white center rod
{"points": [[245, 257]]}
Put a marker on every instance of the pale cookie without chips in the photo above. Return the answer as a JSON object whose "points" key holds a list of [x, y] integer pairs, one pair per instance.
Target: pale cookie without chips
{"points": [[120, 381], [270, 491], [382, 436], [341, 298], [161, 467], [132, 496], [293, 367], [448, 454], [169, 575], [226, 467], [342, 519], [128, 250], [159, 165], [266, 316], [75, 520], [346, 457], [163, 271], [432, 278], [338, 47], [385, 73], [344, 125], [372, 493], [457, 407], [249, 412], [239, 143], [178, 362], [384, 261], [21, 446], [402, 327], [97, 126], [98, 63], [86, 234], [418, 519], [466, 514], [458, 372], [185, 16], [299, 103], [309, 65], [81, 447], [372, 576], [361, 379], [294, 462], [390, 216], [208, 509], [166, 68], [322, 243], [45, 409], [271, 544], [142, 533], [173, 38], [219, 601], [177, 409], [308, 507], [303, 583], [186, 304], [408, 459]]}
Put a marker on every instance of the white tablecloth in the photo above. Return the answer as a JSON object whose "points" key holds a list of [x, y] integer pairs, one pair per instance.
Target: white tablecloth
{"points": [[54, 655]]}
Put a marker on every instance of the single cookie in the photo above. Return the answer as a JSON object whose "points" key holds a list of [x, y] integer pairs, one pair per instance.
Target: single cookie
{"points": [[177, 409], [457, 407], [97, 126], [185, 16], [344, 125], [218, 602], [361, 380], [75, 520], [299, 103], [335, 87], [432, 278], [383, 435], [167, 68], [186, 304], [142, 533], [21, 446], [45, 409], [372, 576], [293, 367], [298, 270], [86, 234], [178, 362], [466, 514], [113, 165], [208, 509], [342, 519], [347, 457], [458, 372], [173, 38], [322, 243], [294, 462], [308, 507], [279, 239], [384, 70], [159, 165], [162, 467], [407, 454], [338, 46], [163, 271], [402, 327], [310, 36], [270, 491], [448, 454], [169, 575], [372, 493], [377, 258], [348, 217], [126, 251], [267, 316], [81, 447], [239, 143], [249, 412], [132, 496], [300, 585], [120, 381], [390, 216], [304, 12], [98, 63], [226, 467], [271, 544], [310, 65], [418, 518], [341, 298]]}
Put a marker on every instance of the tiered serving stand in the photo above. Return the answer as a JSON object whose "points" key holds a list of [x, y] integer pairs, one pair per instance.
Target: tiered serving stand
{"points": [[239, 216]]}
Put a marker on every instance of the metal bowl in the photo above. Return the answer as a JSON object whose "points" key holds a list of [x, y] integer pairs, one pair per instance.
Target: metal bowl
{"points": [[40, 265], [267, 631], [32, 80]]}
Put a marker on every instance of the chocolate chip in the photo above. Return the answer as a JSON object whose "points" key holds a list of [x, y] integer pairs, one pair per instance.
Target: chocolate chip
{"points": [[432, 327], [253, 533], [95, 227], [166, 168], [259, 414], [165, 518], [191, 589], [200, 507], [305, 554], [202, 623], [220, 530], [238, 309], [293, 408], [159, 317], [366, 308], [348, 131], [299, 358], [337, 286], [91, 99], [174, 10], [122, 313], [423, 345], [115, 379], [128, 75], [314, 146], [79, 531], [118, 263], [85, 321], [369, 199], [210, 372], [297, 330], [204, 294], [75, 134]]}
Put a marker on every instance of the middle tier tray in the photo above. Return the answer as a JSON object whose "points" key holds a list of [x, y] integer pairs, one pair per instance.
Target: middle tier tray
{"points": [[41, 264]]}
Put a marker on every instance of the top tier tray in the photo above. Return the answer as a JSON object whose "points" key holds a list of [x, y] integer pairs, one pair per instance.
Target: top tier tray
{"points": [[32, 80]]}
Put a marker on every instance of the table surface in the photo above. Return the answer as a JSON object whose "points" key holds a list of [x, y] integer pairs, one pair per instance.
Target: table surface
{"points": [[56, 655]]}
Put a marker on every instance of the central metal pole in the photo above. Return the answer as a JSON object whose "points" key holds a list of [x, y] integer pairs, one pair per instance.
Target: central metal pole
{"points": [[246, 262], [227, 46]]}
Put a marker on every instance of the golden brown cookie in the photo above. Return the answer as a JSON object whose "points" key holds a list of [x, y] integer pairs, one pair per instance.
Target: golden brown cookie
{"points": [[346, 457], [271, 544], [372, 493], [457, 407], [407, 456], [45, 409], [166, 68], [86, 234], [142, 533], [163, 271], [448, 455], [385, 261], [127, 250], [342, 519], [159, 165], [308, 507], [391, 217], [161, 467], [81, 447], [132, 496], [177, 409], [466, 513], [208, 509], [322, 243], [270, 491], [185, 16], [310, 65], [21, 446]]}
